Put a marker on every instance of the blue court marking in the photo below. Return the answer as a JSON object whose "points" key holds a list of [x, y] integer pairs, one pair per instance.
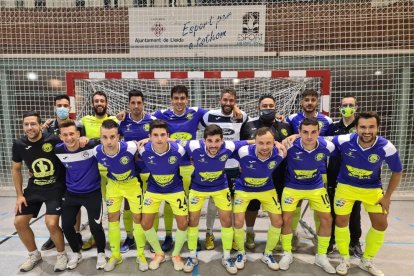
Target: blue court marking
{"points": [[399, 243], [4, 214], [195, 270], [411, 225], [397, 218]]}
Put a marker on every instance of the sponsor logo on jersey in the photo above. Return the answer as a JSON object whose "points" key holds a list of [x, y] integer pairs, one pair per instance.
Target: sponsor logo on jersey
{"points": [[194, 200], [339, 202], [122, 176], [147, 201], [256, 182], [109, 202], [272, 165], [42, 167], [28, 147], [172, 159], [359, 173], [181, 136], [373, 158], [238, 201], [228, 131], [305, 174], [289, 200], [319, 156], [124, 160], [163, 180], [47, 147], [224, 157], [210, 176]]}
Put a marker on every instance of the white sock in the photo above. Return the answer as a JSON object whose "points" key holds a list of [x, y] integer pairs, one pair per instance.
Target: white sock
{"points": [[193, 254], [226, 254], [211, 215], [36, 252]]}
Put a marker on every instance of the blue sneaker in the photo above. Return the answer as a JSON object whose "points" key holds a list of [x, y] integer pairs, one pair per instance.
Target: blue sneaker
{"points": [[167, 244], [129, 243]]}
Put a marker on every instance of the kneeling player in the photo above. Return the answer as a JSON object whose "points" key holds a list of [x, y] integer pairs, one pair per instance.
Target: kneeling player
{"points": [[257, 163]]}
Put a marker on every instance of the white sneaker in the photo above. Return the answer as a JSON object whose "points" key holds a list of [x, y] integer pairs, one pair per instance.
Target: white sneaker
{"points": [[189, 264], [286, 260], [61, 262], [342, 268], [229, 265], [142, 263], [323, 262], [367, 265], [177, 262], [100, 261], [112, 263], [74, 259], [31, 261], [240, 260], [270, 261]]}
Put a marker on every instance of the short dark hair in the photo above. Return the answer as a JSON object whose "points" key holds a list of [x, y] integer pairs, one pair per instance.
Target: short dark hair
{"points": [[367, 115], [67, 123], [350, 96], [31, 113], [310, 92], [228, 90], [309, 122], [266, 96], [179, 89], [262, 131], [158, 124], [61, 97], [135, 93], [100, 93], [211, 130], [110, 124]]}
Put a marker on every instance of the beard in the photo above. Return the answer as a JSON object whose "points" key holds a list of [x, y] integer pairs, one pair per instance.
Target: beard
{"points": [[100, 113]]}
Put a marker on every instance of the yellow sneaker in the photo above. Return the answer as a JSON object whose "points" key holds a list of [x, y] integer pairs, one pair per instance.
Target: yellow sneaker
{"points": [[209, 244], [89, 244]]}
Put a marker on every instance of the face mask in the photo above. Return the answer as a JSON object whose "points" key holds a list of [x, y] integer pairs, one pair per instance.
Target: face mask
{"points": [[347, 112], [267, 115], [62, 113]]}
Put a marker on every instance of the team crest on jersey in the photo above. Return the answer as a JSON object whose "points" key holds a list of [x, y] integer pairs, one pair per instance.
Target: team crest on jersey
{"points": [[194, 200], [189, 116], [42, 167], [373, 158], [85, 154], [284, 132], [172, 159], [319, 156], [352, 130], [271, 165], [146, 127], [339, 202], [124, 160], [224, 157], [238, 201], [47, 147], [147, 201], [109, 202], [289, 200], [320, 124]]}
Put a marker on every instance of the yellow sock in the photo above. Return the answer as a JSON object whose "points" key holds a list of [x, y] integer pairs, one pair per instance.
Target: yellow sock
{"points": [[180, 237], [287, 242], [373, 242], [239, 239], [192, 235], [227, 238], [323, 243], [140, 240], [272, 239], [114, 237], [342, 240]]}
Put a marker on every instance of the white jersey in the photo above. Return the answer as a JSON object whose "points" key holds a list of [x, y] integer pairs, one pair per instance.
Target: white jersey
{"points": [[231, 128]]}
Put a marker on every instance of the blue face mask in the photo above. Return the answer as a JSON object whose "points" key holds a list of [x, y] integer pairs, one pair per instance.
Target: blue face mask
{"points": [[62, 113]]}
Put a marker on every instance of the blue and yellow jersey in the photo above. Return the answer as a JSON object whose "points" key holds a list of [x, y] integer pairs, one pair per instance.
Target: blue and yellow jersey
{"points": [[303, 166], [362, 167], [120, 166], [164, 168], [256, 174], [325, 122], [208, 175]]}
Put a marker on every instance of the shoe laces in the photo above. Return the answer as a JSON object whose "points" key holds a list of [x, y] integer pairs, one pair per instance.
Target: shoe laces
{"points": [[239, 257], [271, 258]]}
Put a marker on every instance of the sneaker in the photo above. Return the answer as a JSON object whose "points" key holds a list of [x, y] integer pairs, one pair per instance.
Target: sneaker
{"points": [[250, 241], [190, 263], [88, 244], [61, 263], [128, 244], [356, 250], [367, 265], [167, 244], [270, 261], [178, 262], [155, 263], [100, 261], [323, 262], [31, 261], [286, 260], [342, 268], [49, 244], [112, 263], [74, 259], [209, 244], [80, 240], [142, 263], [240, 260], [229, 265]]}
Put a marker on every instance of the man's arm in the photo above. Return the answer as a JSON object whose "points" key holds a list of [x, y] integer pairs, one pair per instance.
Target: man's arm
{"points": [[18, 185], [392, 185]]}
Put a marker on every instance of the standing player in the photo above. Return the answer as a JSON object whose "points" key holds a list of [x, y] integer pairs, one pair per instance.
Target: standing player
{"points": [[231, 120], [92, 125], [345, 126], [45, 185], [162, 159], [83, 188], [209, 157], [359, 179], [267, 114], [304, 181], [257, 163], [118, 157], [134, 127]]}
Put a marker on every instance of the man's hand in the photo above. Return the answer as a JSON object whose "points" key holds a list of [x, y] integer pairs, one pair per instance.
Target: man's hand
{"points": [[280, 118], [281, 148], [237, 114], [19, 201], [288, 141], [142, 142], [47, 124], [121, 116], [83, 141], [385, 203]]}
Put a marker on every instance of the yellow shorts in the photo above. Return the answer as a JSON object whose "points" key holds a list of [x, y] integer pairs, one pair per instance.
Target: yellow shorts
{"points": [[346, 195], [116, 191], [222, 199], [318, 199], [186, 172], [144, 178], [177, 201], [268, 199]]}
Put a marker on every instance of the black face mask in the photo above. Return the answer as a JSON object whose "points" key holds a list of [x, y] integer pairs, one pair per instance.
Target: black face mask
{"points": [[267, 115]]}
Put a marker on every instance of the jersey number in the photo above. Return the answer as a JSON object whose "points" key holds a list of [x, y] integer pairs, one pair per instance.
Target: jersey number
{"points": [[325, 199], [182, 204]]}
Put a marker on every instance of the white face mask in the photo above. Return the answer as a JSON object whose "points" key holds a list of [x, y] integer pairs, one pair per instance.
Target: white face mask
{"points": [[62, 113]]}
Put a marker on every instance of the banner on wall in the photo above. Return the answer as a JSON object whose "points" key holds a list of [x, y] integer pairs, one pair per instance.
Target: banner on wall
{"points": [[197, 31]]}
